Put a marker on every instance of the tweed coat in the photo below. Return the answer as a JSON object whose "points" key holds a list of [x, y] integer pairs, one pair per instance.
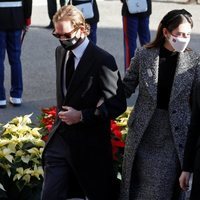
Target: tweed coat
{"points": [[143, 72]]}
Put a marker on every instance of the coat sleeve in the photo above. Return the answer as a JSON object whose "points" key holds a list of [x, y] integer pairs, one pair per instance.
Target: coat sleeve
{"points": [[194, 132], [27, 7], [131, 78], [114, 100]]}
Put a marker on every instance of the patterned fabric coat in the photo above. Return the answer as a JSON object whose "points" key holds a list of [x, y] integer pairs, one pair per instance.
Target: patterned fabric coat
{"points": [[144, 73]]}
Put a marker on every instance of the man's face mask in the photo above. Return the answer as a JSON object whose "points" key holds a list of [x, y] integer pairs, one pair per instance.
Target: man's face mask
{"points": [[179, 43], [66, 41], [69, 44]]}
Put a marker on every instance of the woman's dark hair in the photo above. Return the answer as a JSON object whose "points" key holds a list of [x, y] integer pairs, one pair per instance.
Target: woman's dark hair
{"points": [[170, 21]]}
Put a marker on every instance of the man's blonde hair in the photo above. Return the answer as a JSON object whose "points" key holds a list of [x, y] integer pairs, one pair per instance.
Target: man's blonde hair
{"points": [[71, 13]]}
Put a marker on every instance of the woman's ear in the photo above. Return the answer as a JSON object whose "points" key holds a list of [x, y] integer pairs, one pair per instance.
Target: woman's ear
{"points": [[165, 32]]}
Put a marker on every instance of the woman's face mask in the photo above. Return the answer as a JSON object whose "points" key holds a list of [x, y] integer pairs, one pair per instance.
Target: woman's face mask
{"points": [[180, 37], [179, 43]]}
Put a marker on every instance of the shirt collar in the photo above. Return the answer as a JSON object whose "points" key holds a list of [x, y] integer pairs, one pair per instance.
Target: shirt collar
{"points": [[78, 51]]}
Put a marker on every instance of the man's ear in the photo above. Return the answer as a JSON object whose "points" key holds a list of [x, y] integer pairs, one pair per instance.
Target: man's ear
{"points": [[82, 28], [82, 31]]}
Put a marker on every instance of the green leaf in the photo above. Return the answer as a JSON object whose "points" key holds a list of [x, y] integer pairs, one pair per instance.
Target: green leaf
{"points": [[20, 185], [28, 145]]}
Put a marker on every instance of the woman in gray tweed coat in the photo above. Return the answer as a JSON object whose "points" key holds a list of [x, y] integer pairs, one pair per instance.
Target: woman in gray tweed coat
{"points": [[166, 72]]}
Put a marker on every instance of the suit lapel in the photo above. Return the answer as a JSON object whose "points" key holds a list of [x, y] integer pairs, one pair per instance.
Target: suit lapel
{"points": [[60, 68], [82, 70], [151, 72]]}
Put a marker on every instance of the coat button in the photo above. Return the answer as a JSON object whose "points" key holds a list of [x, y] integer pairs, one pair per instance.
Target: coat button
{"points": [[174, 111], [180, 146], [176, 128]]}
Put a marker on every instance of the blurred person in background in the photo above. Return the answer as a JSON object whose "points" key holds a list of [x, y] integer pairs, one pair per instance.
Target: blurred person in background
{"points": [[134, 25], [191, 162], [52, 9], [91, 21], [15, 18]]}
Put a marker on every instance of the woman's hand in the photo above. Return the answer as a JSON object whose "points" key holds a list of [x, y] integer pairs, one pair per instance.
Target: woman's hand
{"points": [[184, 180]]}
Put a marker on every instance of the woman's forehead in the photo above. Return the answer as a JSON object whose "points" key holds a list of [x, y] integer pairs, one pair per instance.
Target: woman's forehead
{"points": [[183, 27]]}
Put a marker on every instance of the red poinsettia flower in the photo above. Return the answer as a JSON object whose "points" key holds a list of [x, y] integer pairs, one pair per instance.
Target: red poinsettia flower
{"points": [[45, 138], [47, 120], [117, 142], [116, 129]]}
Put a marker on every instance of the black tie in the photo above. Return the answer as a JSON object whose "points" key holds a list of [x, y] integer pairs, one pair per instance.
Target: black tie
{"points": [[69, 68]]}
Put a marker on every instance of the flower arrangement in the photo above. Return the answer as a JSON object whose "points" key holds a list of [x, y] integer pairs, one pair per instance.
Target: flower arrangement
{"points": [[21, 148], [119, 132]]}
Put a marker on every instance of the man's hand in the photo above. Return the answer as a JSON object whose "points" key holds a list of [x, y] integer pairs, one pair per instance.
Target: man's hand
{"points": [[69, 115], [184, 180]]}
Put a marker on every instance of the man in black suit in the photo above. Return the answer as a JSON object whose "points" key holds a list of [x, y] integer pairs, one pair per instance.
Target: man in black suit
{"points": [[78, 154], [191, 162]]}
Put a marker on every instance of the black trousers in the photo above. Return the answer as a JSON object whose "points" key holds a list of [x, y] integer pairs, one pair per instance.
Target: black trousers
{"points": [[73, 171], [59, 179], [52, 7]]}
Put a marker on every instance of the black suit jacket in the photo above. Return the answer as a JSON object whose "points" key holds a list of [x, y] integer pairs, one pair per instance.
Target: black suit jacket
{"points": [[193, 140], [88, 142], [13, 18]]}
